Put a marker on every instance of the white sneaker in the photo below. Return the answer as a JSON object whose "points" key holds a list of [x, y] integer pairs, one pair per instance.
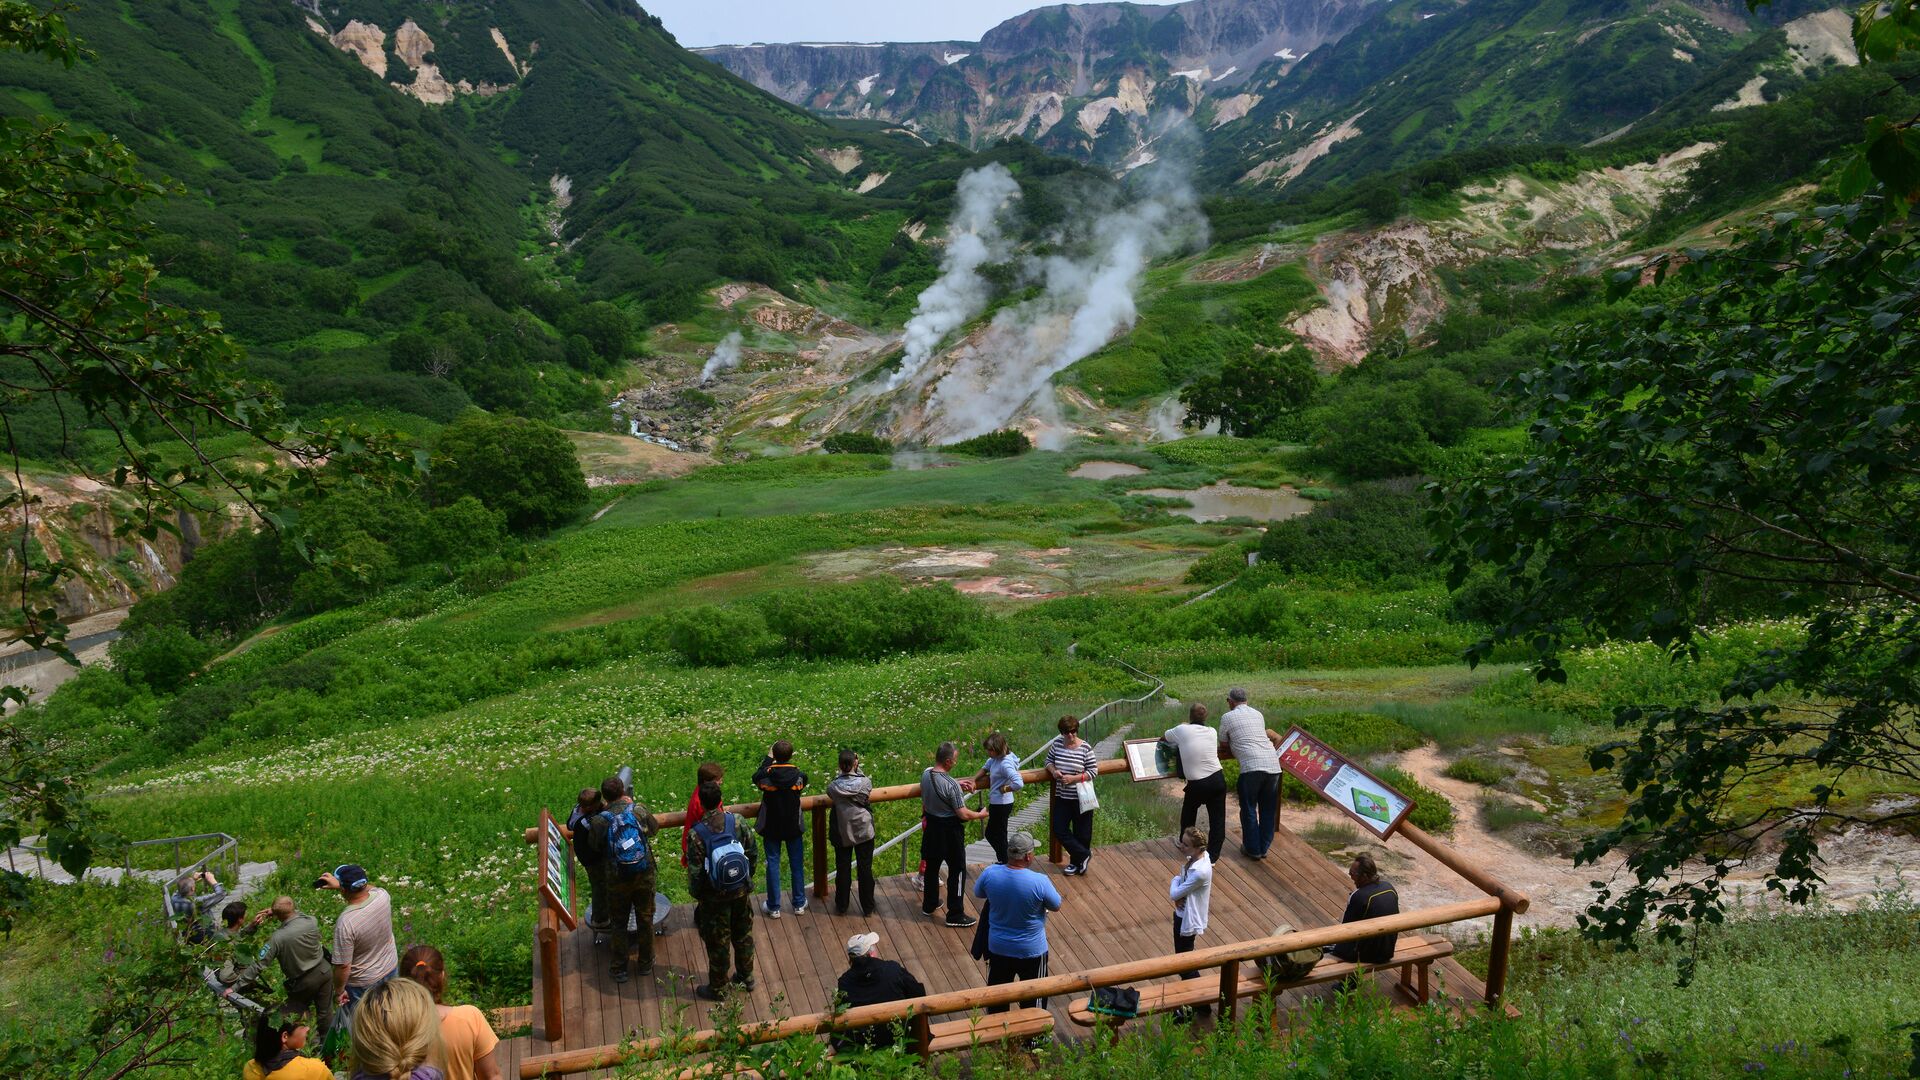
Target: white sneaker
{"points": [[769, 910], [799, 911]]}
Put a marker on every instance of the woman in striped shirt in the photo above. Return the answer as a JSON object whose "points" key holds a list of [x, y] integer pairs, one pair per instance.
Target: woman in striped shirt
{"points": [[1070, 760]]}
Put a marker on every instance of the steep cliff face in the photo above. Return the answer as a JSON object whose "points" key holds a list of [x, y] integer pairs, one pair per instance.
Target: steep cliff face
{"points": [[1096, 81]]}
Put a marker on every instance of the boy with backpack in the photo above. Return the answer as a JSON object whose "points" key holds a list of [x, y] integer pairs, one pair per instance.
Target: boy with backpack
{"points": [[720, 858], [620, 836]]}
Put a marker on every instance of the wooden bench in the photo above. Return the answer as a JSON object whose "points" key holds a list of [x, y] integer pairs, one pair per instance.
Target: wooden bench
{"points": [[946, 1036], [1414, 954]]}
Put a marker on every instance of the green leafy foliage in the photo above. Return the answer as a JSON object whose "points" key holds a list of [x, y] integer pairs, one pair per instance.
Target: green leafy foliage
{"points": [[855, 442], [1372, 532], [524, 469], [1477, 770], [1253, 392], [1007, 442]]}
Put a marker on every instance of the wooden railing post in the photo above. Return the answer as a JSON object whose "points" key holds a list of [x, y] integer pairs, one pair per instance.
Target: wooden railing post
{"points": [[923, 1035], [1497, 960], [1229, 990], [549, 942], [820, 852]]}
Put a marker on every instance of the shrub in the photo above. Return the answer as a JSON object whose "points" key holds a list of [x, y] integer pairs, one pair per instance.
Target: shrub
{"points": [[524, 469], [1500, 814], [1374, 531], [1212, 450], [1003, 443], [869, 619], [714, 636], [1359, 734], [1432, 811], [1223, 563], [160, 657], [1476, 770], [856, 442]]}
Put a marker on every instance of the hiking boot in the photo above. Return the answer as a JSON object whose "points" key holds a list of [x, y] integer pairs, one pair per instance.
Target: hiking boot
{"points": [[745, 982], [620, 975], [644, 970], [706, 992]]}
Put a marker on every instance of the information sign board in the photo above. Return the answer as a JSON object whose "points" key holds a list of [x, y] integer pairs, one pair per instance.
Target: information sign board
{"points": [[556, 869], [1358, 793]]}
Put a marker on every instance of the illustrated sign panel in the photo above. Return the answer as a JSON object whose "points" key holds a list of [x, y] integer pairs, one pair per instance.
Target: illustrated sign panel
{"points": [[1357, 792], [1147, 759], [556, 869]]}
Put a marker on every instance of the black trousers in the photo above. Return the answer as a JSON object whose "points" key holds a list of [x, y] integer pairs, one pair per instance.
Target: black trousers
{"points": [[1210, 793], [998, 814], [1006, 969], [944, 841], [1183, 943], [844, 859], [1072, 828]]}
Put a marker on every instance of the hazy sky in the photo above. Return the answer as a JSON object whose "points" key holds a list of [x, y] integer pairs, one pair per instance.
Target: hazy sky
{"points": [[740, 22]]}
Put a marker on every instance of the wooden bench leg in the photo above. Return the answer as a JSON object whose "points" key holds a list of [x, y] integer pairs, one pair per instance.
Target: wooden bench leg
{"points": [[1423, 983], [1229, 990]]}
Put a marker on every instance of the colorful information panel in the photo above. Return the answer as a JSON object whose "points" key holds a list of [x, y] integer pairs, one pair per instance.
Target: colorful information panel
{"points": [[1357, 792], [556, 869]]}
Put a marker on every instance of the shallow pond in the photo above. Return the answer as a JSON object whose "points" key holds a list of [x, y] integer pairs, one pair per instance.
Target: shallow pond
{"points": [[1105, 470], [1217, 502]]}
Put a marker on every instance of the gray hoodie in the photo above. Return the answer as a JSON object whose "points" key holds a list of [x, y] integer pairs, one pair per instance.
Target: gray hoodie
{"points": [[852, 819]]}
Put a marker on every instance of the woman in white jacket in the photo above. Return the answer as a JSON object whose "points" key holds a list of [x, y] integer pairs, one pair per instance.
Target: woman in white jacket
{"points": [[1191, 891]]}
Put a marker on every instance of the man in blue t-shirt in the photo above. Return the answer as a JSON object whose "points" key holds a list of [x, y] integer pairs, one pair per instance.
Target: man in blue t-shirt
{"points": [[1018, 898]]}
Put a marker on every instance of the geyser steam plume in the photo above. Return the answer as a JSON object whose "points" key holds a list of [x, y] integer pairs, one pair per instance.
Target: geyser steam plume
{"points": [[1087, 300], [724, 358], [959, 293]]}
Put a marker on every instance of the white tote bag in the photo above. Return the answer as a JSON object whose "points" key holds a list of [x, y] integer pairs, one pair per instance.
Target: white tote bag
{"points": [[1088, 800]]}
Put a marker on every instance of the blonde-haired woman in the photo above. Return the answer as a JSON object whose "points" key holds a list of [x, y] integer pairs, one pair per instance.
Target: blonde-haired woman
{"points": [[396, 1033], [465, 1036]]}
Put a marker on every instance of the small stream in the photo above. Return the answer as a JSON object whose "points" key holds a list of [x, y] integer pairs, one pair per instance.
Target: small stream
{"points": [[1219, 501]]}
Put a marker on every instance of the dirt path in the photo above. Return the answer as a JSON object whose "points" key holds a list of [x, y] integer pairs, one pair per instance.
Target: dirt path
{"points": [[1859, 862]]}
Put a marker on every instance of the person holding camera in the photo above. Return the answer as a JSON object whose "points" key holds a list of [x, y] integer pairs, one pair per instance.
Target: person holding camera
{"points": [[363, 951]]}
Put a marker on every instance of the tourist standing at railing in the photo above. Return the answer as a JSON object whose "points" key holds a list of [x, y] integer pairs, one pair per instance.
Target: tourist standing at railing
{"points": [[1372, 898], [853, 833], [781, 784], [1000, 778], [579, 821], [363, 953], [1070, 763], [621, 836], [943, 839], [1191, 892], [1018, 899], [720, 861], [710, 772], [1199, 748], [1243, 735]]}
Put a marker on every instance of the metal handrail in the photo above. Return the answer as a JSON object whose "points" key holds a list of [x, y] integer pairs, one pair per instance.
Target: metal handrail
{"points": [[228, 845], [1159, 686]]}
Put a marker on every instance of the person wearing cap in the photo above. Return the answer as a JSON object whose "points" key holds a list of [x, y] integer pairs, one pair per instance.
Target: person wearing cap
{"points": [[1018, 899], [869, 980], [295, 946], [1243, 736], [363, 951]]}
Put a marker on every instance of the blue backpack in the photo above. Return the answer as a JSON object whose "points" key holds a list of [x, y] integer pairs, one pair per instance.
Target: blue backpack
{"points": [[728, 870], [627, 848]]}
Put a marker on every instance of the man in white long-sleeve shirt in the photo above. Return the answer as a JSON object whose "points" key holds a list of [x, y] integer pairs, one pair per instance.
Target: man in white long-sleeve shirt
{"points": [[1191, 892]]}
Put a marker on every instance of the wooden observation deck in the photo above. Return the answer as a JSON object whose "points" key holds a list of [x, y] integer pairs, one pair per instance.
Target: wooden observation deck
{"points": [[1117, 913]]}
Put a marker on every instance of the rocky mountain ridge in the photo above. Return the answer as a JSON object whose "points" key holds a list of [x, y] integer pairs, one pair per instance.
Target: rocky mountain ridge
{"points": [[1094, 81]]}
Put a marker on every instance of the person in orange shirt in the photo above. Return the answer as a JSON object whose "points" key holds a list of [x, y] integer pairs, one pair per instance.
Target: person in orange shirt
{"points": [[464, 1032], [276, 1052]]}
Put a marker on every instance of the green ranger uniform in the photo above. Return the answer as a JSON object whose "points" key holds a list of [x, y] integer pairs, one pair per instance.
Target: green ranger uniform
{"points": [[303, 965], [725, 922], [626, 896]]}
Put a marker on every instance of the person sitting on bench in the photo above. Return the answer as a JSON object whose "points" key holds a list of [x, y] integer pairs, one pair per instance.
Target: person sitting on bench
{"points": [[1372, 897], [870, 980]]}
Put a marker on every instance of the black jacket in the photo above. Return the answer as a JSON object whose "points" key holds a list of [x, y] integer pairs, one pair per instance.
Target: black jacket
{"points": [[870, 980], [1369, 902], [780, 787]]}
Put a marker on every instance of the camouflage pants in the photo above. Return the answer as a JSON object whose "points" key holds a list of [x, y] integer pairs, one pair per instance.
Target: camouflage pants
{"points": [[630, 900], [723, 924]]}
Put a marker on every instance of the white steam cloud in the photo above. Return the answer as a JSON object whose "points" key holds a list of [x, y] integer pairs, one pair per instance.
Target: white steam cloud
{"points": [[724, 358], [1088, 299], [974, 238]]}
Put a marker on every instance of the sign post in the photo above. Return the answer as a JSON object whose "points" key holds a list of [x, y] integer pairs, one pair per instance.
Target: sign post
{"points": [[1356, 792], [1147, 759], [555, 870]]}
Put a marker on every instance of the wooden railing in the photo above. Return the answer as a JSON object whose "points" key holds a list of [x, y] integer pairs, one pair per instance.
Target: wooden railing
{"points": [[916, 1012]]}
